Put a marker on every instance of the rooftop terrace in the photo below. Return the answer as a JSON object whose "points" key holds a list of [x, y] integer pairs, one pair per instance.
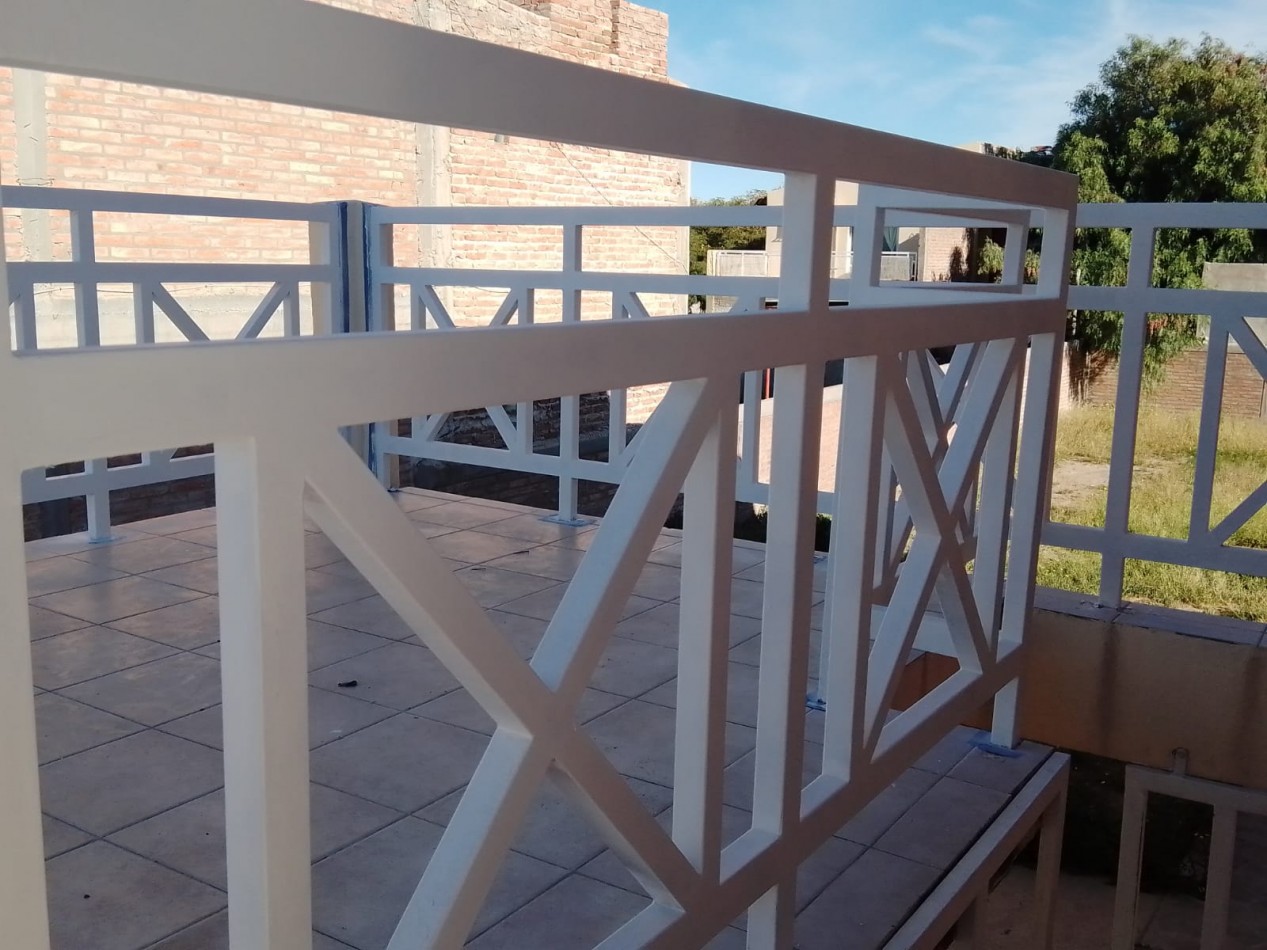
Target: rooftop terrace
{"points": [[126, 665]]}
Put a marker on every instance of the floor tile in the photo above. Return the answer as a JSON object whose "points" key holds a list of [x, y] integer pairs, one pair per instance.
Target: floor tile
{"points": [[89, 652], [542, 605], [865, 904], [329, 590], [155, 692], [414, 499], [60, 837], [320, 550], [93, 899], [462, 514], [659, 582], [592, 911], [331, 716], [328, 643], [64, 727], [476, 547], [46, 623], [213, 934], [948, 751], [190, 838], [492, 587], [181, 521], [399, 675], [360, 892], [460, 709], [205, 535], [660, 625], [554, 829], [923, 834], [64, 573], [114, 785], [543, 560], [369, 615], [405, 762], [202, 576], [145, 554], [186, 626], [1001, 772], [638, 739], [524, 633], [631, 667], [878, 815], [738, 782], [822, 867], [62, 544], [741, 692], [532, 527], [112, 600]]}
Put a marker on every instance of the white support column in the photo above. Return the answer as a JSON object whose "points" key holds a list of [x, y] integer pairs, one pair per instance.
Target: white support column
{"points": [[23, 905], [1047, 878], [88, 334], [526, 314], [263, 633], [860, 478], [704, 647], [381, 316], [804, 285], [570, 406], [23, 892], [1218, 887], [1130, 370], [1126, 898]]}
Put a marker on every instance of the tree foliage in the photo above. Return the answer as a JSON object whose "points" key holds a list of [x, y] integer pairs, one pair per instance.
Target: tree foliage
{"points": [[1166, 122], [704, 239]]}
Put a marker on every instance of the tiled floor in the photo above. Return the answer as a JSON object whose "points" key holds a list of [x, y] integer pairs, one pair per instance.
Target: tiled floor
{"points": [[127, 674]]}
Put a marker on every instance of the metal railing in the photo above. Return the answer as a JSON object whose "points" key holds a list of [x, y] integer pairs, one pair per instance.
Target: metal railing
{"points": [[273, 410], [150, 312], [1208, 544], [894, 265]]}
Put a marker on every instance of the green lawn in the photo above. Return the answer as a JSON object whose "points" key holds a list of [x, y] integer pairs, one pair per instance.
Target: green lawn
{"points": [[1161, 499]]}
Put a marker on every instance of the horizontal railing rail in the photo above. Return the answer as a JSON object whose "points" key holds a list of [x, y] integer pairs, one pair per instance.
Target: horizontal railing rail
{"points": [[273, 409], [561, 458], [151, 303], [1208, 544]]}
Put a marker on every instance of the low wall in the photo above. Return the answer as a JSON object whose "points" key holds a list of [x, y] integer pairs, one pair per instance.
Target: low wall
{"points": [[1094, 380]]}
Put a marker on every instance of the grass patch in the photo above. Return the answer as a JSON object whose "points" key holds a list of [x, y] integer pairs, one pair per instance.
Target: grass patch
{"points": [[1161, 501]]}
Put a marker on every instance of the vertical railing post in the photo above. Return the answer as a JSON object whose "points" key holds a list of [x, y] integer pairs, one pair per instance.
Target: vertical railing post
{"points": [[570, 405], [379, 244], [83, 250], [703, 654], [265, 690], [804, 284], [342, 246], [1033, 472], [1130, 371]]}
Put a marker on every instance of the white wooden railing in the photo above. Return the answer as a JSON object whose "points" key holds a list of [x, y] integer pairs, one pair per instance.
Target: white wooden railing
{"points": [[1208, 544], [274, 408], [42, 321]]}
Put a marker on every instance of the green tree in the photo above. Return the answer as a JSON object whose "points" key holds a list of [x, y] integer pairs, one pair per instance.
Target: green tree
{"points": [[1166, 122], [704, 239]]}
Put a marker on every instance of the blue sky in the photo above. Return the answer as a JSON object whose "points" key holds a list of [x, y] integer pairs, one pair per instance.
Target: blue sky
{"points": [[953, 71]]}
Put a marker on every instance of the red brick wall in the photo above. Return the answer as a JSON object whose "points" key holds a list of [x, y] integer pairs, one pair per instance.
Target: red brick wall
{"points": [[937, 251], [1182, 386], [116, 136]]}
